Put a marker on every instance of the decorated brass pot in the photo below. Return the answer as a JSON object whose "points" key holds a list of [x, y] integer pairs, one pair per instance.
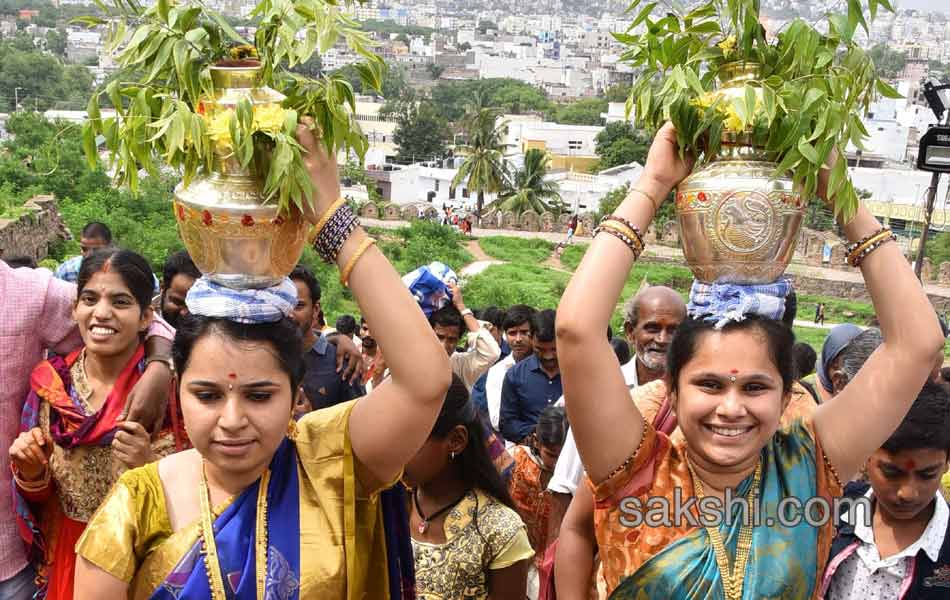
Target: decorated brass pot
{"points": [[234, 236], [738, 223]]}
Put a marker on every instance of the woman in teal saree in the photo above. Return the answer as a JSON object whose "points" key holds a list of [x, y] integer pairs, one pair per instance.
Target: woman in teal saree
{"points": [[730, 376]]}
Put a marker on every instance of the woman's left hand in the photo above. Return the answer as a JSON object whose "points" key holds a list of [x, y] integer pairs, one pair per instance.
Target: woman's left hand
{"points": [[321, 165], [132, 445], [148, 400]]}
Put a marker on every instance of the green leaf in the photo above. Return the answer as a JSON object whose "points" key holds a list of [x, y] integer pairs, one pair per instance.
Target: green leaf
{"points": [[856, 15], [809, 152], [811, 97], [749, 104], [631, 7], [769, 103], [886, 90], [642, 15], [693, 80], [89, 145], [226, 27]]}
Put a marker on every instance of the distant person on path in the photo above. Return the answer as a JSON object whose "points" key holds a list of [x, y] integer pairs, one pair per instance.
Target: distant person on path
{"points": [[820, 314], [571, 229]]}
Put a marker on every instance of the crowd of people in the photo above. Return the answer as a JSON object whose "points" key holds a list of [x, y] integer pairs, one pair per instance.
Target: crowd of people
{"points": [[178, 439]]}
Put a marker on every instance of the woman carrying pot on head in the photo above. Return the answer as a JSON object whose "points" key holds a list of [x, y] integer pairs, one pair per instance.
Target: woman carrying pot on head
{"points": [[729, 380], [266, 506], [74, 445]]}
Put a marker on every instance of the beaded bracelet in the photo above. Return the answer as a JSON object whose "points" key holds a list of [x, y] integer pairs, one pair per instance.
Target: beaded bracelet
{"points": [[623, 466], [851, 248], [325, 218], [623, 237], [633, 228], [360, 250], [338, 228], [876, 242], [633, 234]]}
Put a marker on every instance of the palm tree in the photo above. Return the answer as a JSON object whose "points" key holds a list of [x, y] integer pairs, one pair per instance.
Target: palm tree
{"points": [[484, 170], [529, 189]]}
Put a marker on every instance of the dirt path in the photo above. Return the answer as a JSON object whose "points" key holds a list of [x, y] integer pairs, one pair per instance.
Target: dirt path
{"points": [[554, 262], [476, 251]]}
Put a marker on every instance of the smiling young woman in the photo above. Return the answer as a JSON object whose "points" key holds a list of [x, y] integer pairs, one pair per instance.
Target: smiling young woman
{"points": [[73, 446], [729, 381]]}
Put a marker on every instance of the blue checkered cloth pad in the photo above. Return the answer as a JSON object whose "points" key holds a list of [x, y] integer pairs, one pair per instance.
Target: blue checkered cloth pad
{"points": [[721, 303], [268, 305]]}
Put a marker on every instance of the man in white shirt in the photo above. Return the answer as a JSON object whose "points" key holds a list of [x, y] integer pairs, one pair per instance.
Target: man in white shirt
{"points": [[518, 327], [449, 322], [650, 320], [901, 548]]}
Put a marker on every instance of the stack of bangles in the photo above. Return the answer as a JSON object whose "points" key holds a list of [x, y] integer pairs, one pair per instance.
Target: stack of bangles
{"points": [[625, 231], [330, 233], [860, 250]]}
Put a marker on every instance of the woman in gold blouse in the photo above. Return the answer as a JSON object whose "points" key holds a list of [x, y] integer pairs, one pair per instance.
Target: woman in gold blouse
{"points": [[265, 506]]}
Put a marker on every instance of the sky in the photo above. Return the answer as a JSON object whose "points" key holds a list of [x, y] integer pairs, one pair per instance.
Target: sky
{"points": [[919, 4]]}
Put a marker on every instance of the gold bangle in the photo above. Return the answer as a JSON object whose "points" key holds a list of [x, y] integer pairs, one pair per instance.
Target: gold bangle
{"points": [[325, 219], [627, 231], [345, 273], [874, 239], [647, 196]]}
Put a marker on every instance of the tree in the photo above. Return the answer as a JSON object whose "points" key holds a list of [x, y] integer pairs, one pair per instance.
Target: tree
{"points": [[889, 63], [465, 47], [617, 93], [354, 172], [484, 170], [394, 80], [484, 25], [583, 112], [435, 70], [422, 133], [312, 68], [506, 95], [43, 80], [56, 42], [529, 189], [938, 248], [619, 144]]}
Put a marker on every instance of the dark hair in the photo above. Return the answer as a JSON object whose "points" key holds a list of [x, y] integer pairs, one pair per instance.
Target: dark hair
{"points": [[552, 426], [179, 263], [791, 309], [475, 465], [621, 349], [926, 424], [283, 336], [519, 314], [302, 273], [97, 230], [346, 324], [16, 262], [448, 316], [493, 315], [134, 270], [544, 326], [779, 339], [945, 374], [805, 359]]}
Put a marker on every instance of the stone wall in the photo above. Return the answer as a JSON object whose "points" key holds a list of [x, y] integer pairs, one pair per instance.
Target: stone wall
{"points": [[34, 232]]}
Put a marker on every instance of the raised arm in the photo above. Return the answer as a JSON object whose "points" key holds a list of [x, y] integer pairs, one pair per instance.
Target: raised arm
{"points": [[857, 421], [389, 425], [607, 426]]}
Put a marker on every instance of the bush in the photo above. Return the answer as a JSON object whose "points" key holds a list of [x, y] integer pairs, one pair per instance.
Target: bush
{"points": [[423, 242], [516, 250], [505, 285]]}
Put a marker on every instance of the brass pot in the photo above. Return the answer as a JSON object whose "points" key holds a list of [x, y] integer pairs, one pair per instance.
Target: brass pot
{"points": [[233, 234], [738, 223]]}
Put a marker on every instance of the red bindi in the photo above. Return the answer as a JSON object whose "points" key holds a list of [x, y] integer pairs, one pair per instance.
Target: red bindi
{"points": [[232, 376], [910, 465], [734, 371]]}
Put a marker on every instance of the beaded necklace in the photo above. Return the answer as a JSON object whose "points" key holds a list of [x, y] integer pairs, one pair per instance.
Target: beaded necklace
{"points": [[732, 581], [210, 547]]}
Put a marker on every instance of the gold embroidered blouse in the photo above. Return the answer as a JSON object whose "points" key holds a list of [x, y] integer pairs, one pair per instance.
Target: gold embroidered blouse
{"points": [[457, 569]]}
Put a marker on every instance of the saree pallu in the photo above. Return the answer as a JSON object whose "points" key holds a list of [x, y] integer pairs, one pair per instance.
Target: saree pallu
{"points": [[326, 535], [679, 563]]}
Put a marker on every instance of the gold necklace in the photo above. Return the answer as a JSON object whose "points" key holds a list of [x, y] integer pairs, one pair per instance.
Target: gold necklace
{"points": [[732, 580], [206, 532]]}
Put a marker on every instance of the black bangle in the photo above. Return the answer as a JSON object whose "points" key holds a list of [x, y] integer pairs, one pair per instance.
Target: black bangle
{"points": [[335, 233]]}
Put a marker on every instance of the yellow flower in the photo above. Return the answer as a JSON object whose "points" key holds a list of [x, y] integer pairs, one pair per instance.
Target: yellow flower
{"points": [[219, 128], [243, 51], [269, 119], [733, 123], [728, 45], [705, 101]]}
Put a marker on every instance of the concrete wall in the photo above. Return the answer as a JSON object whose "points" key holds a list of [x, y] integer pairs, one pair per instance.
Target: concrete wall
{"points": [[33, 233]]}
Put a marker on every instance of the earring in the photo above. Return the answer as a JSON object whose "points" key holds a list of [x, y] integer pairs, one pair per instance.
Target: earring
{"points": [[292, 430], [452, 455]]}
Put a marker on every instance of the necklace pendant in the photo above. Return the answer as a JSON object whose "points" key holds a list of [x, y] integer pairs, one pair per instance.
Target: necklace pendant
{"points": [[423, 526]]}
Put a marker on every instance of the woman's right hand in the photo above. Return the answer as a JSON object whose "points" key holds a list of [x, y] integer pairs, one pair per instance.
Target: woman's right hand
{"points": [[322, 167], [30, 454]]}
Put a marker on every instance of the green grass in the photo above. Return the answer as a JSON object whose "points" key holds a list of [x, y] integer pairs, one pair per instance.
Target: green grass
{"points": [[835, 309], [572, 255], [516, 250], [504, 285], [422, 242]]}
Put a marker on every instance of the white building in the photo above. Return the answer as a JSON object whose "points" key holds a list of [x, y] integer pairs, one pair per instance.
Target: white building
{"points": [[570, 146]]}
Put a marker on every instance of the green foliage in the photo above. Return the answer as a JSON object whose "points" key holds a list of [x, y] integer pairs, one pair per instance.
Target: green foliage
{"points": [[388, 27], [617, 93], [423, 242], [529, 190], [56, 42], [504, 285], [938, 248], [799, 97], [166, 54], [582, 112], [355, 172], [335, 299], [516, 250], [507, 95], [394, 86], [435, 71], [145, 225], [422, 133], [44, 81], [889, 62], [484, 170], [610, 202], [572, 255], [620, 144]]}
